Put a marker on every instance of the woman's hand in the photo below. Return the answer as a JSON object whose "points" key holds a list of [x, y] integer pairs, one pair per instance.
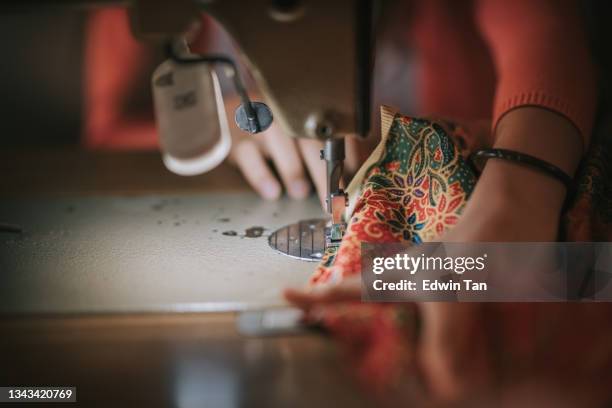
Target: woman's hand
{"points": [[452, 352], [291, 158], [295, 160]]}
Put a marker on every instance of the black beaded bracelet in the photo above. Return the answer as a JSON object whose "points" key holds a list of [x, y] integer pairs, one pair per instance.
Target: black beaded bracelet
{"points": [[480, 156]]}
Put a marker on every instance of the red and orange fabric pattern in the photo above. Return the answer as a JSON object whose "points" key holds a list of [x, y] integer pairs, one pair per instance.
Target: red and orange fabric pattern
{"points": [[411, 189]]}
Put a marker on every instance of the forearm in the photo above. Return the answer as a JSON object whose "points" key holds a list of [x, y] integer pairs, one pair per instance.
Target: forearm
{"points": [[543, 134], [544, 107], [513, 202]]}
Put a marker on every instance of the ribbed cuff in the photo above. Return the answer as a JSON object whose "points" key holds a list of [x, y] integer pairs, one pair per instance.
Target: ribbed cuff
{"points": [[580, 119]]}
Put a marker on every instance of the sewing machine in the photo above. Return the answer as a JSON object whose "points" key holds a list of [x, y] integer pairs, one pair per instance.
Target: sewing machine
{"points": [[121, 275], [310, 59]]}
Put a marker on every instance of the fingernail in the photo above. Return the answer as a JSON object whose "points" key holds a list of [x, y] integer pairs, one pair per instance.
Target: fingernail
{"points": [[299, 189], [270, 190]]}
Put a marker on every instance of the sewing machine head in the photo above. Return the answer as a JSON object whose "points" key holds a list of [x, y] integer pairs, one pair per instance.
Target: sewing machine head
{"points": [[311, 60]]}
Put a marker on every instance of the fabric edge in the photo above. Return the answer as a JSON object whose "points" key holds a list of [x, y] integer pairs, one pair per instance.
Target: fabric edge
{"points": [[387, 114]]}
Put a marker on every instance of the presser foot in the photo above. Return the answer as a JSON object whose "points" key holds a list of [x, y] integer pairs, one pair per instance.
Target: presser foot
{"points": [[334, 234]]}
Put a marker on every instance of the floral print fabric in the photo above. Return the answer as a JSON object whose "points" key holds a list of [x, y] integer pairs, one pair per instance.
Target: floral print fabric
{"points": [[412, 191]]}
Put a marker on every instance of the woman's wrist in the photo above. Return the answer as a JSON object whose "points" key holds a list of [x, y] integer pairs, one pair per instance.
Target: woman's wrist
{"points": [[511, 203], [512, 184], [543, 134], [515, 202]]}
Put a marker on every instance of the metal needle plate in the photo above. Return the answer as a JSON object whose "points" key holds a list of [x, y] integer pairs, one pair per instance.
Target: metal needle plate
{"points": [[303, 240]]}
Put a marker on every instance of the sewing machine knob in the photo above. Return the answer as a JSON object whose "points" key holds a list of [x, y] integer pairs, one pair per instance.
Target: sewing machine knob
{"points": [[261, 120]]}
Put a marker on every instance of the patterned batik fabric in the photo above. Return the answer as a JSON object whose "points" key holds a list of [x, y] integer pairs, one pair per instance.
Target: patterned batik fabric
{"points": [[412, 190]]}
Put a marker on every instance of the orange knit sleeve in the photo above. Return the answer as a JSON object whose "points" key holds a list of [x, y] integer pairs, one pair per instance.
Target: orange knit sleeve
{"points": [[541, 57]]}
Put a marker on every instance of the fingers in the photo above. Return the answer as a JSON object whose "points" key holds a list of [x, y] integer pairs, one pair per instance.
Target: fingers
{"points": [[286, 157], [310, 149], [250, 161], [348, 290]]}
